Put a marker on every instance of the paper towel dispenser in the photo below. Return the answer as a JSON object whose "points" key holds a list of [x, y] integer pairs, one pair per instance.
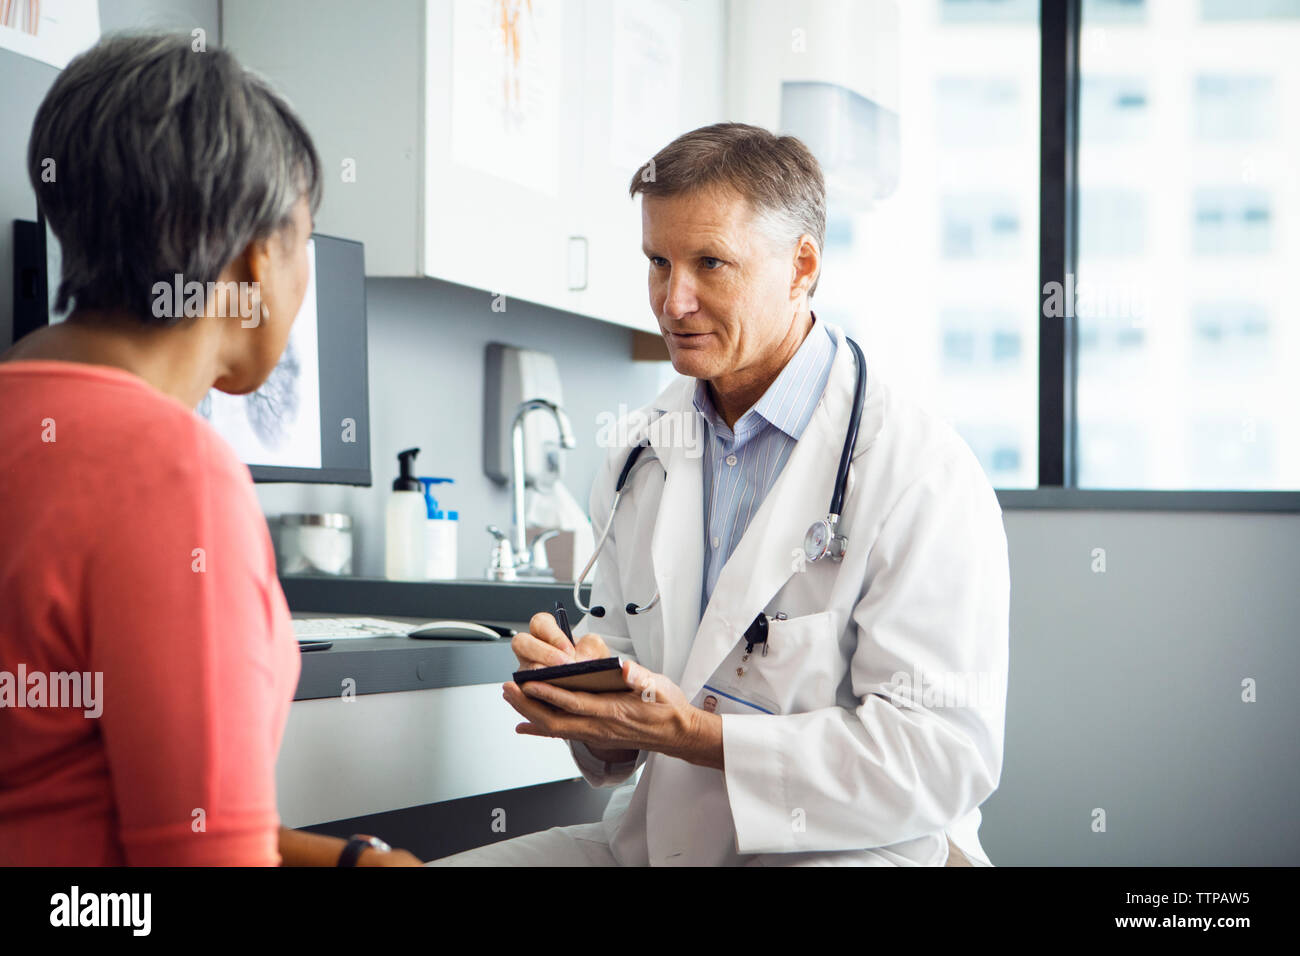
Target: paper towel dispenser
{"points": [[828, 72], [514, 375]]}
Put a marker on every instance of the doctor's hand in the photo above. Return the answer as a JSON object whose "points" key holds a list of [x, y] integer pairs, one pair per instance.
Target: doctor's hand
{"points": [[653, 714], [544, 645]]}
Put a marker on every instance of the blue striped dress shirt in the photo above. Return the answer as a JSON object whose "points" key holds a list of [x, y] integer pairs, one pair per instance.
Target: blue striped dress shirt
{"points": [[742, 465]]}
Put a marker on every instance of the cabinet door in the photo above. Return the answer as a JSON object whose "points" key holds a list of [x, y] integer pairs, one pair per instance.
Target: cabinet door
{"points": [[487, 151], [503, 120], [654, 70], [354, 77]]}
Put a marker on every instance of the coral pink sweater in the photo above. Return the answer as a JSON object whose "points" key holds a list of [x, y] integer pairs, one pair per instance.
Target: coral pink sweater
{"points": [[133, 553]]}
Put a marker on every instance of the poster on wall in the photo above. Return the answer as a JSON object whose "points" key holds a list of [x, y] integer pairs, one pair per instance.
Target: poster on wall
{"points": [[507, 68], [52, 31]]}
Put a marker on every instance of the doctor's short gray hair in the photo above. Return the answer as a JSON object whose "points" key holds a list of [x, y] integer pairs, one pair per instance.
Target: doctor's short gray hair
{"points": [[778, 175], [151, 159]]}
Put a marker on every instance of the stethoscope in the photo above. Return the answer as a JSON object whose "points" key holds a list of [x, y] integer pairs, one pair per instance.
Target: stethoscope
{"points": [[822, 539]]}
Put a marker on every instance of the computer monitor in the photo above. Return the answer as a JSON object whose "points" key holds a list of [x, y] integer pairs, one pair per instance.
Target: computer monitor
{"points": [[310, 420]]}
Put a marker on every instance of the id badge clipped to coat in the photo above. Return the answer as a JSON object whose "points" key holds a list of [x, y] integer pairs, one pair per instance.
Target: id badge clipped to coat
{"points": [[727, 691], [718, 697]]}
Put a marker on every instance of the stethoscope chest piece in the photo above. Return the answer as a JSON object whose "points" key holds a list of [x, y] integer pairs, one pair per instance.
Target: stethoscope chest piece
{"points": [[821, 541]]}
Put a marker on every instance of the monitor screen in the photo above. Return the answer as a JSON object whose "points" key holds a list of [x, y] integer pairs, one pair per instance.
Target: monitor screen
{"points": [[279, 424], [292, 429]]}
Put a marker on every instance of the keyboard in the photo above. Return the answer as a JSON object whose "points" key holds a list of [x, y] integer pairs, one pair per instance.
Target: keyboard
{"points": [[347, 628]]}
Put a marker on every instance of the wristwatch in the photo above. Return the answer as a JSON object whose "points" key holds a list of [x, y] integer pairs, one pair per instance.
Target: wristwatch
{"points": [[356, 845]]}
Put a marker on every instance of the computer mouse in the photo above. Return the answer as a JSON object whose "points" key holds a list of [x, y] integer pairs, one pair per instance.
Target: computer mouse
{"points": [[460, 631]]}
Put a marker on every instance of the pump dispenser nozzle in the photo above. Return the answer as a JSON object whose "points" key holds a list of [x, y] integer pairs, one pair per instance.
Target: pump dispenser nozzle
{"points": [[406, 480]]}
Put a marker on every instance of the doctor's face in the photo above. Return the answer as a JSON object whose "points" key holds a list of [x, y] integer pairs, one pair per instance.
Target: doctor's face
{"points": [[724, 292]]}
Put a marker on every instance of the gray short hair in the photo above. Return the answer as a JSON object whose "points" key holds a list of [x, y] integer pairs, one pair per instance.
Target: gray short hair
{"points": [[150, 159], [778, 175]]}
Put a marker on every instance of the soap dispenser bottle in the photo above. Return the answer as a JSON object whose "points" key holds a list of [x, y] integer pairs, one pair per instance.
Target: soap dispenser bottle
{"points": [[404, 531], [440, 534]]}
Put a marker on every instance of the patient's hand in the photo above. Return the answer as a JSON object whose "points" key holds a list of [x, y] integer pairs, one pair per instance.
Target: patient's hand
{"points": [[373, 857]]}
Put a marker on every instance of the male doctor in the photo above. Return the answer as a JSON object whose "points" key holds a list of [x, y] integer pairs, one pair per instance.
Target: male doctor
{"points": [[868, 728]]}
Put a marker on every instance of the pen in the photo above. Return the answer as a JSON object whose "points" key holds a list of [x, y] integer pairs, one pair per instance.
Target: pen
{"points": [[562, 618]]}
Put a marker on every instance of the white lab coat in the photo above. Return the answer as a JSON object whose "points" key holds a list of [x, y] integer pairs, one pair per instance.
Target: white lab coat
{"points": [[843, 772]]}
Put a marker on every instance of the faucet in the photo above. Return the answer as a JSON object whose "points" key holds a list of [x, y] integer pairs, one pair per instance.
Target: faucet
{"points": [[501, 566], [523, 553], [541, 564]]}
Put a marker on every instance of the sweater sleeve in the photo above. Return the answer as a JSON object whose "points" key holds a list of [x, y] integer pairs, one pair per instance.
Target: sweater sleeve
{"points": [[194, 673]]}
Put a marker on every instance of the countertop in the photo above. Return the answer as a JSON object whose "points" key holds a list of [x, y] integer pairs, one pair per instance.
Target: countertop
{"points": [[387, 664]]}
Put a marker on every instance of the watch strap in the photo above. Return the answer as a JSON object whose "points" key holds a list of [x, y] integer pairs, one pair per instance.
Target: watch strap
{"points": [[357, 845]]}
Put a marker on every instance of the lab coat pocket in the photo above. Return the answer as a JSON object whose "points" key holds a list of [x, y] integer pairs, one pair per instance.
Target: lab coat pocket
{"points": [[804, 663], [799, 672]]}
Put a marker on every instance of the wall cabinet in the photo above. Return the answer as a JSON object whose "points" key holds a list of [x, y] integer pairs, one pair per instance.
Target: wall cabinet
{"points": [[490, 143]]}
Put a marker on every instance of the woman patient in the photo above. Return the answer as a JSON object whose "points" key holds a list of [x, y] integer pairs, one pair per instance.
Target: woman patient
{"points": [[147, 660]]}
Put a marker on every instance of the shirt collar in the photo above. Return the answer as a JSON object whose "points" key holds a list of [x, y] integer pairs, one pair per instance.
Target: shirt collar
{"points": [[789, 402]]}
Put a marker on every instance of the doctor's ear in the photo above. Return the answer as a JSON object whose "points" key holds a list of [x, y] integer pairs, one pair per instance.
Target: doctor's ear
{"points": [[805, 267]]}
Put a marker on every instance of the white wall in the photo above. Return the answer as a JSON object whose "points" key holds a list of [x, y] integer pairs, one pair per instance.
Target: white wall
{"points": [[427, 341]]}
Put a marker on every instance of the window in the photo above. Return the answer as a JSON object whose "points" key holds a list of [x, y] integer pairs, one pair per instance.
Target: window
{"points": [[937, 277], [1187, 239], [1070, 230]]}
